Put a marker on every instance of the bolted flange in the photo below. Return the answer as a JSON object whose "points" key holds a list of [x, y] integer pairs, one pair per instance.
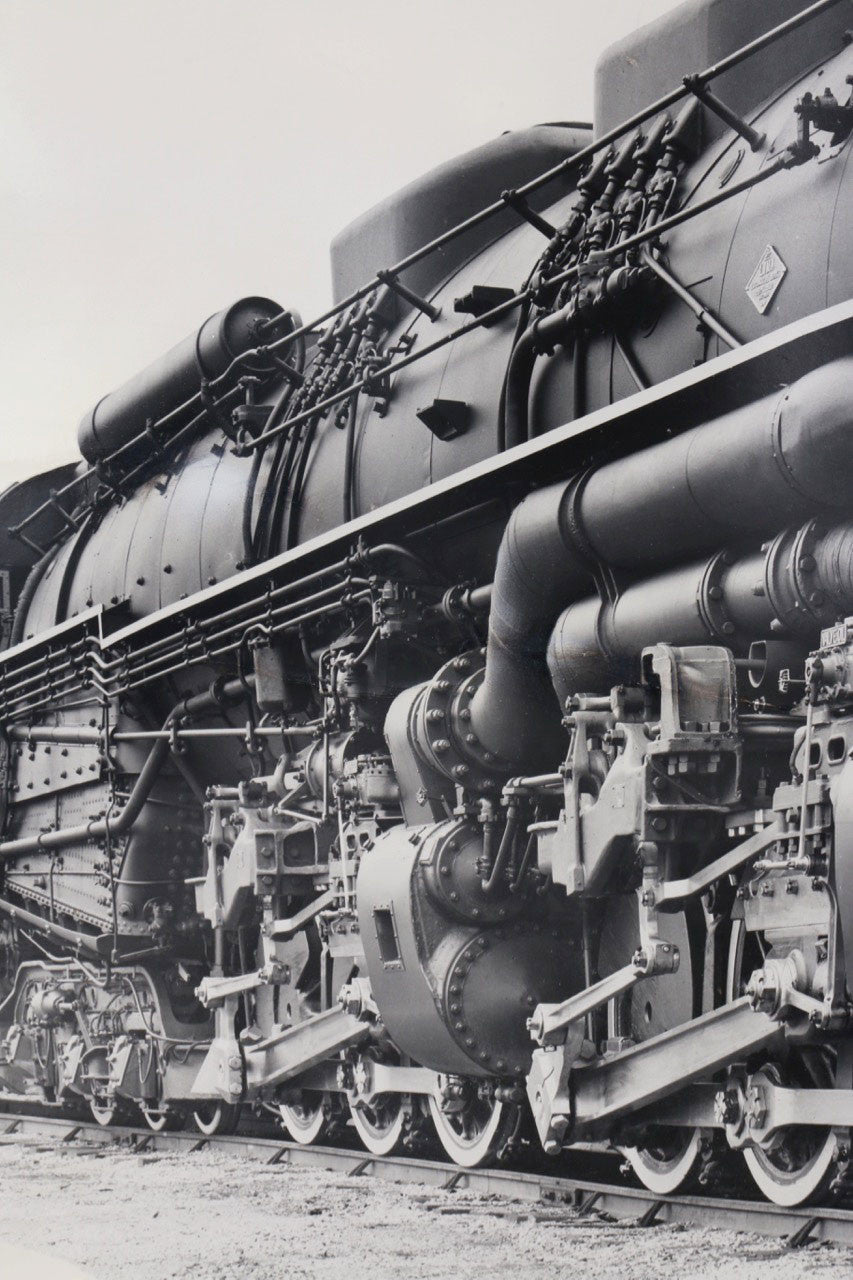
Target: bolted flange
{"points": [[441, 724]]}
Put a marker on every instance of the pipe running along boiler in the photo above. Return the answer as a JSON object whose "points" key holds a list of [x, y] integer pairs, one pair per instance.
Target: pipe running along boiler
{"points": [[438, 717]]}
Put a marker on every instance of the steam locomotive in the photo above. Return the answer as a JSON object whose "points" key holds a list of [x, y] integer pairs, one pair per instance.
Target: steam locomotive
{"points": [[438, 717]]}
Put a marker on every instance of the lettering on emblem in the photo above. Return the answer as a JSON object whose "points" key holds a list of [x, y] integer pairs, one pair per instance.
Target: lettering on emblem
{"points": [[765, 279]]}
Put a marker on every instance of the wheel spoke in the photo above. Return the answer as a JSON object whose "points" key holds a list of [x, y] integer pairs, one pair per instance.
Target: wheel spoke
{"points": [[380, 1125]]}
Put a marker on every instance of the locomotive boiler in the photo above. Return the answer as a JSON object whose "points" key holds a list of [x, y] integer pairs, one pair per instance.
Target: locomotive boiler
{"points": [[437, 717]]}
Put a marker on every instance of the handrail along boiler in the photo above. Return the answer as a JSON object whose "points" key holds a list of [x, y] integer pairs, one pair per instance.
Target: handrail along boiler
{"points": [[438, 717]]}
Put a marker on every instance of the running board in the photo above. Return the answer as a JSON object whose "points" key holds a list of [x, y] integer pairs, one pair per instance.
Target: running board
{"points": [[570, 1102]]}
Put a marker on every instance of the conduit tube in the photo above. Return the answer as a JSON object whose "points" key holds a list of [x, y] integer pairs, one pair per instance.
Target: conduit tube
{"points": [[218, 695], [28, 591], [751, 472], [518, 378]]}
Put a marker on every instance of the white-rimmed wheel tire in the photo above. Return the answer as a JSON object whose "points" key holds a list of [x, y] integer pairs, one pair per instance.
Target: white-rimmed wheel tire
{"points": [[791, 1177], [669, 1161], [105, 1113], [380, 1124], [215, 1119], [797, 1166], [113, 1110], [473, 1134], [304, 1119], [163, 1119]]}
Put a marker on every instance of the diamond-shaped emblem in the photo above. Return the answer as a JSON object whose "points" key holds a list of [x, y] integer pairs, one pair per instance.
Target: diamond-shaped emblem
{"points": [[765, 279]]}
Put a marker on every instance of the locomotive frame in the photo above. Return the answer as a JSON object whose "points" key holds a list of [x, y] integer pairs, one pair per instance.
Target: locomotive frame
{"points": [[562, 852]]}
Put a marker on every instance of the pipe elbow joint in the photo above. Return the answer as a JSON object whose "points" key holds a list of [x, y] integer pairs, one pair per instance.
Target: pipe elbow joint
{"points": [[812, 429]]}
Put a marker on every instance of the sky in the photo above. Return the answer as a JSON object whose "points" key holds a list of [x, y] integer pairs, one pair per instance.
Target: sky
{"points": [[161, 158]]}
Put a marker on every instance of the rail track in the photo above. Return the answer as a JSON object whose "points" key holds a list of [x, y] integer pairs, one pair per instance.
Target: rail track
{"points": [[580, 1196]]}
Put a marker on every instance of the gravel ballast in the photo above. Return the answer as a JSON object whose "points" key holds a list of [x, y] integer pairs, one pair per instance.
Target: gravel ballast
{"points": [[115, 1213]]}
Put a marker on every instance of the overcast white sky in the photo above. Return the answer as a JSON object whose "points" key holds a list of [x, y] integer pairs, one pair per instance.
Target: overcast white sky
{"points": [[161, 158]]}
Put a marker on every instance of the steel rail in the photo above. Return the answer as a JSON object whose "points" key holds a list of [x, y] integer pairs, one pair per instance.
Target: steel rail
{"points": [[577, 1196]]}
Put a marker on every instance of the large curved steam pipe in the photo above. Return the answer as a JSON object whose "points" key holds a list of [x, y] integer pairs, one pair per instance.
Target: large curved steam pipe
{"points": [[802, 581], [751, 472]]}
